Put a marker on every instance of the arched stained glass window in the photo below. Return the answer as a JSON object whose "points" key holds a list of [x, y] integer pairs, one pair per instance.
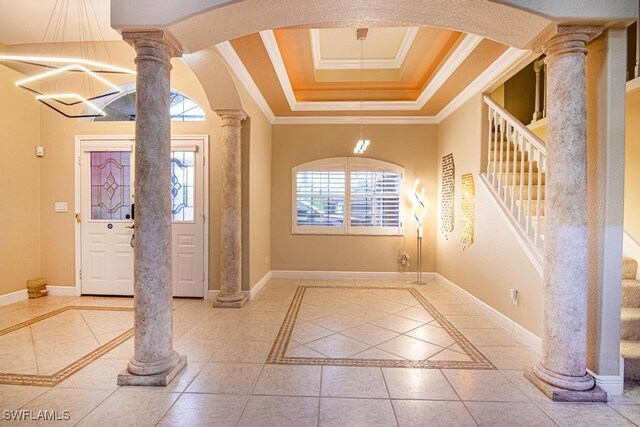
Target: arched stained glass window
{"points": [[122, 108]]}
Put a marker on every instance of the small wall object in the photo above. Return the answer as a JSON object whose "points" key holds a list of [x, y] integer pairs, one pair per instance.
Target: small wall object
{"points": [[468, 209], [37, 287], [448, 193]]}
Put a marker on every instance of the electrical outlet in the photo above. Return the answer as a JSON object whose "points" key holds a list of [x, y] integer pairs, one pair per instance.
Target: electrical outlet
{"points": [[515, 296]]}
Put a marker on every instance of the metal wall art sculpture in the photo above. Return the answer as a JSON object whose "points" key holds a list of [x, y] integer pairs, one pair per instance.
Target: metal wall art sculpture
{"points": [[468, 209], [448, 193]]}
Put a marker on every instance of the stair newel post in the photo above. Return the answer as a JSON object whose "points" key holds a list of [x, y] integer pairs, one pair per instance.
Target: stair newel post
{"points": [[536, 229]]}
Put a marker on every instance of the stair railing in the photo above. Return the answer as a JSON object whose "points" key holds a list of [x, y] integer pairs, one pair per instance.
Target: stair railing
{"points": [[516, 164]]}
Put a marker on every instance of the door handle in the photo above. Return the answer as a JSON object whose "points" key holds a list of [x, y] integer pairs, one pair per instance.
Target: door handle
{"points": [[131, 226]]}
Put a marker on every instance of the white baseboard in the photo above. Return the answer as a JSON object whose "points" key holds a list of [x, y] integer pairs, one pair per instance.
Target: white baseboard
{"points": [[520, 333], [12, 297], [349, 275], [612, 384], [250, 294], [66, 291]]}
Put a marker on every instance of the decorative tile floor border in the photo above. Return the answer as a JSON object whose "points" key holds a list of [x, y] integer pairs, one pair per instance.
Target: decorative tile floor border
{"points": [[67, 371], [279, 349]]}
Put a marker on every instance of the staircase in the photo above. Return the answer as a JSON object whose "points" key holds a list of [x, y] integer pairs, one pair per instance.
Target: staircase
{"points": [[515, 174], [630, 320]]}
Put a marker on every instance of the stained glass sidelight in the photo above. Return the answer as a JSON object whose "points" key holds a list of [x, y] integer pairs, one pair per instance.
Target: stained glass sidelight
{"points": [[110, 185], [183, 185]]}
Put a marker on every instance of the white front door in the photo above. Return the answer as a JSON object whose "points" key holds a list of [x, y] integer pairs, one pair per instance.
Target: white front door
{"points": [[106, 199]]}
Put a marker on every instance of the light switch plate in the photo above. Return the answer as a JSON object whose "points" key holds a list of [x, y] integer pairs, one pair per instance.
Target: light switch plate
{"points": [[61, 207]]}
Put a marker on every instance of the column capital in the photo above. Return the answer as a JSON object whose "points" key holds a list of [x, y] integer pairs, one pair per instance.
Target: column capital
{"points": [[231, 117], [159, 42], [570, 39]]}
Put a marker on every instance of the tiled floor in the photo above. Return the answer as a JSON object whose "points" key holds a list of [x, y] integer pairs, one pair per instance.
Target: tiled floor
{"points": [[227, 381]]}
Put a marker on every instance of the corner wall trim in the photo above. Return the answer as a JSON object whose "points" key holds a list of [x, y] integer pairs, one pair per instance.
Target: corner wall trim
{"points": [[612, 384], [349, 275], [12, 297], [520, 333], [255, 290]]}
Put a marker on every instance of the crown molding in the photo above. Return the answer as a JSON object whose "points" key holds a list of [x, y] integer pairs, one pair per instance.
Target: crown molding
{"points": [[233, 61], [453, 61], [354, 64], [510, 59], [355, 120]]}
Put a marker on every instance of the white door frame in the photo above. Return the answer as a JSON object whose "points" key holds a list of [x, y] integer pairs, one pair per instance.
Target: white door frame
{"points": [[79, 139]]}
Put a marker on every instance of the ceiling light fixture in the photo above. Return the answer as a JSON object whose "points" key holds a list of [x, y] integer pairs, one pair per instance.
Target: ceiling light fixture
{"points": [[362, 144], [59, 67]]}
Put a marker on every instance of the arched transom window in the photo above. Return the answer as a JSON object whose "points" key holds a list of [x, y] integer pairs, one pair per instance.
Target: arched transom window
{"points": [[122, 107]]}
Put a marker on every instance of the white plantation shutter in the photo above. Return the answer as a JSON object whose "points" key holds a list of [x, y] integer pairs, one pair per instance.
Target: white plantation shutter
{"points": [[320, 198], [347, 196], [375, 199]]}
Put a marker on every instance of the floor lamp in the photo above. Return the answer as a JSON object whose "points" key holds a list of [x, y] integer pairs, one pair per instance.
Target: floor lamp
{"points": [[419, 210]]}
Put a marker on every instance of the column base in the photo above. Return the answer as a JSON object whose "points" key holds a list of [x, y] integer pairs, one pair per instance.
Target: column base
{"points": [[157, 380], [557, 394], [230, 304]]}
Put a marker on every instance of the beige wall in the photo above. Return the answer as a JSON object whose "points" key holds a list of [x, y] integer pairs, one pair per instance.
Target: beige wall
{"points": [[632, 166], [53, 177], [495, 263], [20, 178], [410, 146]]}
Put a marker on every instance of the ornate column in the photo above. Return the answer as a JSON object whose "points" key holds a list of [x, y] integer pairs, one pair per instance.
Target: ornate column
{"points": [[154, 362], [231, 294], [561, 373]]}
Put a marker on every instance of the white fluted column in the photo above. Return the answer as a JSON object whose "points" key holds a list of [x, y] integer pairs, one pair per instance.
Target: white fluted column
{"points": [[231, 294], [561, 372], [154, 361]]}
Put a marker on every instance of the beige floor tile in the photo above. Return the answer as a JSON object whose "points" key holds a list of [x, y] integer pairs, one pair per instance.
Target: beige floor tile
{"points": [[337, 346], [425, 413], [227, 378], [205, 410], [291, 380], [469, 322], [533, 393], [454, 309], [16, 396], [254, 332], [123, 352], [280, 411], [490, 338], [428, 384], [20, 359], [511, 357], [433, 334], [508, 414], [630, 412], [307, 332], [450, 356], [196, 350], [264, 317], [397, 324], [376, 354], [77, 402], [243, 352], [410, 348], [130, 408], [486, 386], [580, 414], [346, 381], [356, 412], [370, 334], [101, 374], [418, 314], [304, 351], [337, 322]]}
